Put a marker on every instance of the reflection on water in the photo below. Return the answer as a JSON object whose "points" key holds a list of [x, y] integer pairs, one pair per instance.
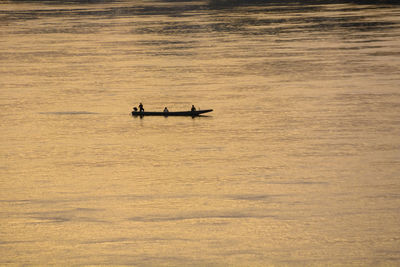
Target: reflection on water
{"points": [[297, 165], [236, 3]]}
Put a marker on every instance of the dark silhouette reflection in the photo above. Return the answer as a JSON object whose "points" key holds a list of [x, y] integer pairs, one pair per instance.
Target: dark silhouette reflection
{"points": [[233, 3], [130, 9], [188, 9], [318, 22], [225, 2], [66, 1]]}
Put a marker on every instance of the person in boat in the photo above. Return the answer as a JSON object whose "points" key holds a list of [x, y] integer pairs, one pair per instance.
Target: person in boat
{"points": [[166, 110], [135, 109], [193, 109], [141, 109]]}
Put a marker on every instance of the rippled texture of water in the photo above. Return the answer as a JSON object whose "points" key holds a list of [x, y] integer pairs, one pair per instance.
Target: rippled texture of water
{"points": [[298, 164]]}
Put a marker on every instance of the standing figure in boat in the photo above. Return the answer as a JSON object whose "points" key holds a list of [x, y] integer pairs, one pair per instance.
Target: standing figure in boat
{"points": [[193, 109], [141, 109]]}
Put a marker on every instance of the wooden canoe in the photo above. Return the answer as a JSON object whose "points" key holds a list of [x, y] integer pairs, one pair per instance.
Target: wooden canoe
{"points": [[171, 113]]}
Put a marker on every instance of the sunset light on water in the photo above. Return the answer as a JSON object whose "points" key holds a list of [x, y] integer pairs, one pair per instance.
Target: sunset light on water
{"points": [[298, 164]]}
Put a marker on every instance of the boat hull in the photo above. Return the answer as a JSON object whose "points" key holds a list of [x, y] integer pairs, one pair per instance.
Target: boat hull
{"points": [[171, 113]]}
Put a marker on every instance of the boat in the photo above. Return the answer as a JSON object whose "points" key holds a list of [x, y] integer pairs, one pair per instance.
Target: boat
{"points": [[171, 113]]}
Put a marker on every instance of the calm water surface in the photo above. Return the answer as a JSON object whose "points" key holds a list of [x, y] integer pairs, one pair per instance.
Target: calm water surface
{"points": [[299, 163]]}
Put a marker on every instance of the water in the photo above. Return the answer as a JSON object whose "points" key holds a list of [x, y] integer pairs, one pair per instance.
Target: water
{"points": [[299, 163]]}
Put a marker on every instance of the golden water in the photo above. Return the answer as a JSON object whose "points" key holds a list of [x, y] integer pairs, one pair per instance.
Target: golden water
{"points": [[299, 163]]}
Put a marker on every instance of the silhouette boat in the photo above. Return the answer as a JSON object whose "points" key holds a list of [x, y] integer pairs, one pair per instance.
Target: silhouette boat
{"points": [[171, 113]]}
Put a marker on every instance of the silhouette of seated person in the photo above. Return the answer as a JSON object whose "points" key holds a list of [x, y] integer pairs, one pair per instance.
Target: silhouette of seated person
{"points": [[135, 109], [166, 110], [193, 109]]}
